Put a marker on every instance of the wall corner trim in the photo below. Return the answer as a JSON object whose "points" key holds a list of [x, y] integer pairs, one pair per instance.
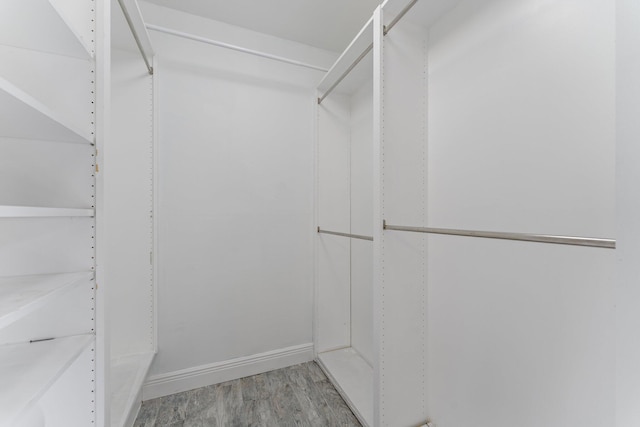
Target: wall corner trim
{"points": [[213, 373]]}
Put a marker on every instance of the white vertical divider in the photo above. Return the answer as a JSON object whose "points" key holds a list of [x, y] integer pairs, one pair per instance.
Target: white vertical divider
{"points": [[378, 204], [103, 126], [402, 256], [628, 212], [156, 201]]}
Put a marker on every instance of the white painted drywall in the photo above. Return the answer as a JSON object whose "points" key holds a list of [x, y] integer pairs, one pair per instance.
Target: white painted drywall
{"points": [[235, 194], [628, 213], [522, 138], [362, 219], [401, 280]]}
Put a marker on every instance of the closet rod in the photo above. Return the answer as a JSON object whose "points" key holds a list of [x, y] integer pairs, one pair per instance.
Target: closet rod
{"points": [[233, 47], [132, 27], [398, 17], [346, 73], [352, 236], [540, 238]]}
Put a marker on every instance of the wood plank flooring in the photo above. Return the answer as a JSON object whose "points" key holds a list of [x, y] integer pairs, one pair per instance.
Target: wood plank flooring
{"points": [[300, 395]]}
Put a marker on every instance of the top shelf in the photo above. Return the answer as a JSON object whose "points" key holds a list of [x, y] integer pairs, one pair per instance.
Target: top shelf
{"points": [[53, 26], [423, 13], [346, 63]]}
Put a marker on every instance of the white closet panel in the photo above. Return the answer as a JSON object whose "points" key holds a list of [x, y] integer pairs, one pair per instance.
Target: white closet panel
{"points": [[521, 117], [627, 212], [129, 205], [56, 176], [333, 328], [402, 282], [333, 317], [520, 333], [361, 204], [46, 245], [499, 117]]}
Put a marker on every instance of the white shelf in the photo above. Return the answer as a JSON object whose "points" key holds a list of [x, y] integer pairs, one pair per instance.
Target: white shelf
{"points": [[28, 370], [36, 211], [423, 13], [41, 25], [23, 116], [127, 376], [22, 295], [357, 47], [353, 378]]}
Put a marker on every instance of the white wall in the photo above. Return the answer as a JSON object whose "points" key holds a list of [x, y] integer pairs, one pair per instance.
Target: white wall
{"points": [[235, 196], [362, 220], [522, 138], [628, 213]]}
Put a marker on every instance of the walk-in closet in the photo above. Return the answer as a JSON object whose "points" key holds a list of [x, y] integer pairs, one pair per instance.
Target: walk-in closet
{"points": [[403, 213]]}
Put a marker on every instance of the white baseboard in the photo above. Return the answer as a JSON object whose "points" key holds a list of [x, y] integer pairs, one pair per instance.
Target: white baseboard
{"points": [[214, 373]]}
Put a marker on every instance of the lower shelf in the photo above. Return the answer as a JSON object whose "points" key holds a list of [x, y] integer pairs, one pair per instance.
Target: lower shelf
{"points": [[127, 375], [29, 369], [353, 378]]}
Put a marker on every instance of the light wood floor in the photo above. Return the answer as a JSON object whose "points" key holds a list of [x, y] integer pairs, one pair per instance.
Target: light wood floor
{"points": [[300, 395]]}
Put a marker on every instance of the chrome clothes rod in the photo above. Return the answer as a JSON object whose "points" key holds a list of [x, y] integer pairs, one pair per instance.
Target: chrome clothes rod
{"points": [[346, 73], [540, 238], [136, 37], [403, 12], [233, 47], [352, 236]]}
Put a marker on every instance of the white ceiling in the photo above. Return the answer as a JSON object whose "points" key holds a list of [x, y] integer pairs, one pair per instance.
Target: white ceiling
{"points": [[327, 24]]}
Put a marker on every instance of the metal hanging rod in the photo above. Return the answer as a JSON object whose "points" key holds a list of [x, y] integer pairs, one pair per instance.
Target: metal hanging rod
{"points": [[233, 47], [136, 37], [346, 73], [352, 236], [540, 238], [398, 17]]}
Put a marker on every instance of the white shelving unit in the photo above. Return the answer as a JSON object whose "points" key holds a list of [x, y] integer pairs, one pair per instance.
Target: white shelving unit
{"points": [[458, 117], [47, 308], [344, 291], [129, 207]]}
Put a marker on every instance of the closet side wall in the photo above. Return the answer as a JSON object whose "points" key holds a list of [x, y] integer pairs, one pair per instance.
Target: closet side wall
{"points": [[628, 212], [402, 380], [128, 206], [362, 221], [522, 139]]}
